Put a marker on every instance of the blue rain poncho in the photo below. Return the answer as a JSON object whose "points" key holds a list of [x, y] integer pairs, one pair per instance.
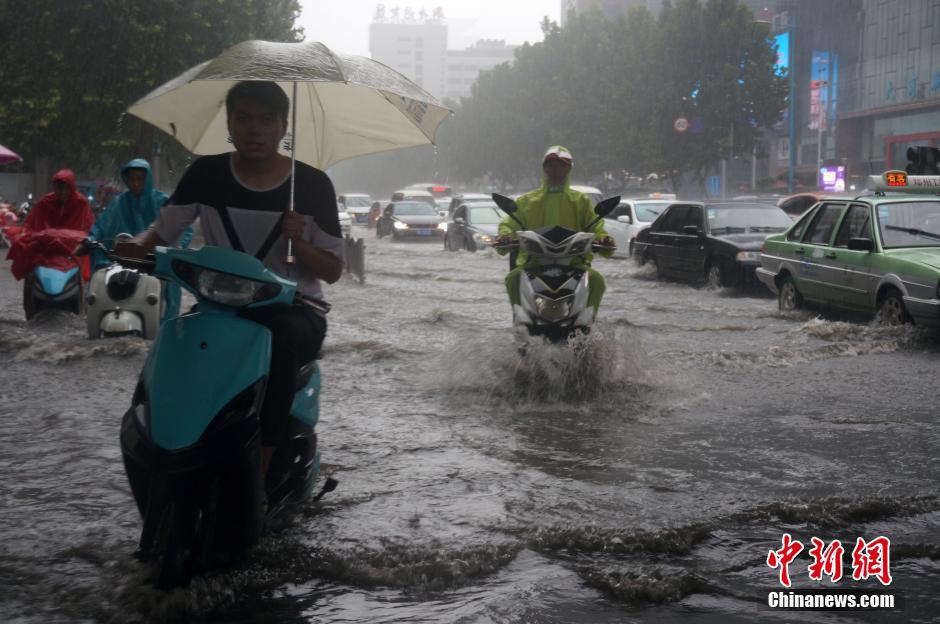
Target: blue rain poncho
{"points": [[128, 213]]}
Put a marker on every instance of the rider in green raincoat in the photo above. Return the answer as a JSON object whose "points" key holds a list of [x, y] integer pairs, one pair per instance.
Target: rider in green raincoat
{"points": [[132, 212], [555, 203]]}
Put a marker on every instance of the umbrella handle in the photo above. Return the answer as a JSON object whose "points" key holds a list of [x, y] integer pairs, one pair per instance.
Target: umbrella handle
{"points": [[293, 163]]}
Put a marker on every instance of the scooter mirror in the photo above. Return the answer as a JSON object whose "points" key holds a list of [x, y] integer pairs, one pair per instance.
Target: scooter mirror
{"points": [[506, 204], [605, 207], [123, 236]]}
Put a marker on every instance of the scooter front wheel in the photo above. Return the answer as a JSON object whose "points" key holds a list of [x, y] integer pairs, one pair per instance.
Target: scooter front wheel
{"points": [[177, 563]]}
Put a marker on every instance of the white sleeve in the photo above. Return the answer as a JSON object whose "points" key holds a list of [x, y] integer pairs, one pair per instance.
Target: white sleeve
{"points": [[321, 240], [173, 221]]}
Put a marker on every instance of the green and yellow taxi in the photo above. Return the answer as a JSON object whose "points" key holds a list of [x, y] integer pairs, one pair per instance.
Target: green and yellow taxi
{"points": [[877, 254]]}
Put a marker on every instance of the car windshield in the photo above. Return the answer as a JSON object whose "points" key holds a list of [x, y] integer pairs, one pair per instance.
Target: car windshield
{"points": [[747, 219], [358, 202], [485, 215], [909, 224], [414, 209], [648, 211]]}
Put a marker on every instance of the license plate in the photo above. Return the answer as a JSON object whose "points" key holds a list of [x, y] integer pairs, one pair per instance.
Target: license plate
{"points": [[423, 232]]}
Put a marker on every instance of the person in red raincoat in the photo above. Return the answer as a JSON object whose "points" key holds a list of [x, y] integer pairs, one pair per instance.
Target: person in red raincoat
{"points": [[53, 227]]}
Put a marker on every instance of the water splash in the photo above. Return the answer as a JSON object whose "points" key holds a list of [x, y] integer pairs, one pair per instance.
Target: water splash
{"points": [[611, 358]]}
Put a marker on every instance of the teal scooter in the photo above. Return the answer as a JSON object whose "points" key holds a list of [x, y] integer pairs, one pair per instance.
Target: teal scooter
{"points": [[191, 439]]}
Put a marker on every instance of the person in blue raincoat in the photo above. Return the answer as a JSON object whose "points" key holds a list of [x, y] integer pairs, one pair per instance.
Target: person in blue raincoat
{"points": [[132, 212]]}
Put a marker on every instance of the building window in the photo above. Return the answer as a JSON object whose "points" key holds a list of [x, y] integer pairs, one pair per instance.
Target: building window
{"points": [[419, 42], [419, 56]]}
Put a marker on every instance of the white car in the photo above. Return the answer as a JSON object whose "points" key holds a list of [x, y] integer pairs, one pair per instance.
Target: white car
{"points": [[345, 221], [356, 204], [626, 220], [594, 194]]}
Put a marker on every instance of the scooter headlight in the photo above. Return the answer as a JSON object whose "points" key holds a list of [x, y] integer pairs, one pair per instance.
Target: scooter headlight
{"points": [[224, 288], [553, 310]]}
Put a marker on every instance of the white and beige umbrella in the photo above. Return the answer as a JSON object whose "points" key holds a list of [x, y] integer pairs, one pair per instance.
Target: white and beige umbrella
{"points": [[342, 105]]}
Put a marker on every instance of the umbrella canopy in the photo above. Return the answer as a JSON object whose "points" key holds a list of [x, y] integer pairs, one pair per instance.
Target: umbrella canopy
{"points": [[346, 105], [8, 156]]}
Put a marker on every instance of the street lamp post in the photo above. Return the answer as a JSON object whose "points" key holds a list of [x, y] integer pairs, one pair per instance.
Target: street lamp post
{"points": [[724, 163]]}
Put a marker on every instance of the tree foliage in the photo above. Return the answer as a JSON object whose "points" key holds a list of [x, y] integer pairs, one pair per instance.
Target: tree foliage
{"points": [[70, 68], [610, 90]]}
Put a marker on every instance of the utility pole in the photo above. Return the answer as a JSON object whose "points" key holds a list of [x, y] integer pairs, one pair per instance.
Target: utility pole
{"points": [[820, 120]]}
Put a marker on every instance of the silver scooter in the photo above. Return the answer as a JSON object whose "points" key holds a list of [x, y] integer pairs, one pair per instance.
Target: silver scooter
{"points": [[553, 293]]}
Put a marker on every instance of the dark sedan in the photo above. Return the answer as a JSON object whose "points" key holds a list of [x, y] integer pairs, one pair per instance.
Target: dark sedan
{"points": [[405, 218], [716, 243]]}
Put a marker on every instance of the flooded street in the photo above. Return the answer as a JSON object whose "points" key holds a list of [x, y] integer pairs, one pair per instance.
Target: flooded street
{"points": [[640, 476]]}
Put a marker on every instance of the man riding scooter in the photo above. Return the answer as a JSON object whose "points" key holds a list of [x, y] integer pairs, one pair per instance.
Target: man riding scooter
{"points": [[132, 212], [240, 198], [554, 203], [42, 251]]}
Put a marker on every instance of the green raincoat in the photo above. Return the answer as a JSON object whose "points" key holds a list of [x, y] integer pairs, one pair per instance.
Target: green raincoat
{"points": [[567, 208]]}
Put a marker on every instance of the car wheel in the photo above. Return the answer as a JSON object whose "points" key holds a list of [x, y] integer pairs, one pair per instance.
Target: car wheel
{"points": [[891, 310], [714, 275], [789, 298], [650, 259]]}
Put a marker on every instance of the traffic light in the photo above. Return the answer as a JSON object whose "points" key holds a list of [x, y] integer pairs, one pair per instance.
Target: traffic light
{"points": [[923, 160]]}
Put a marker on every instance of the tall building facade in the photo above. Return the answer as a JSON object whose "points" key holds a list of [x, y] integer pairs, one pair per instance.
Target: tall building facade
{"points": [[463, 66], [416, 46], [865, 83]]}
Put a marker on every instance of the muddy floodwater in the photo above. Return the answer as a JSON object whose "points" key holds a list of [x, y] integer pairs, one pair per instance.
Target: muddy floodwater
{"points": [[642, 475]]}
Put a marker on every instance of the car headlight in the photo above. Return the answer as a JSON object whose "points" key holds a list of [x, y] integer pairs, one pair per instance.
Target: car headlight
{"points": [[398, 225], [224, 288], [442, 226], [482, 238], [748, 256], [553, 309]]}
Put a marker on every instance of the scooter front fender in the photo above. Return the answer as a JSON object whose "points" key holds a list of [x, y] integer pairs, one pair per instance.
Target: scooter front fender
{"points": [[120, 322], [200, 362]]}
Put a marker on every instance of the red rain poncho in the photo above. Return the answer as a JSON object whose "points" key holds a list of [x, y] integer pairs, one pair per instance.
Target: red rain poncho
{"points": [[51, 231]]}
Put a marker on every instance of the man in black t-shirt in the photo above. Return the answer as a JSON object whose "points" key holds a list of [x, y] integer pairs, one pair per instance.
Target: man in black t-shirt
{"points": [[240, 199]]}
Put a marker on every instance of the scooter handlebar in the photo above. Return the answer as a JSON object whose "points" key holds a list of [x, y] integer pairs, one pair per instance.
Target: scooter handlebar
{"points": [[144, 265]]}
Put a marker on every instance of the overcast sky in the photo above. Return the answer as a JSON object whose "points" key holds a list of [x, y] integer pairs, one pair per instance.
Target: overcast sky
{"points": [[344, 24]]}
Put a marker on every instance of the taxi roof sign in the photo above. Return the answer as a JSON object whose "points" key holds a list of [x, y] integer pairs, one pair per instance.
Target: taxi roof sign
{"points": [[901, 181]]}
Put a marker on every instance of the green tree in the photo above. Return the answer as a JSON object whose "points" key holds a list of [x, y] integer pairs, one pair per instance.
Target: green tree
{"points": [[717, 70], [69, 69], [610, 90]]}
